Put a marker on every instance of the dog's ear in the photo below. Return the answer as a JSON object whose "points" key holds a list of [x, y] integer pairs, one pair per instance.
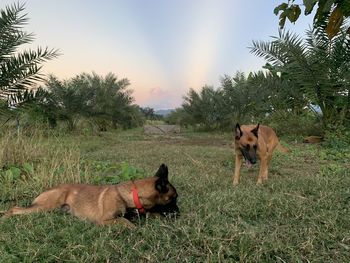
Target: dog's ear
{"points": [[162, 172], [162, 182], [256, 130], [238, 132], [161, 185]]}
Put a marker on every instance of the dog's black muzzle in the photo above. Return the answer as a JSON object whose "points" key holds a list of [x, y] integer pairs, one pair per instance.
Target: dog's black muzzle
{"points": [[249, 155]]}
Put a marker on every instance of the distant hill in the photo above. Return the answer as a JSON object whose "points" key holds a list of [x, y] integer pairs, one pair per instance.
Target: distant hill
{"points": [[163, 112]]}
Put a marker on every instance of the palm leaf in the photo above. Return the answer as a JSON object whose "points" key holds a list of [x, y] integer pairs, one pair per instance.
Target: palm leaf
{"points": [[18, 70]]}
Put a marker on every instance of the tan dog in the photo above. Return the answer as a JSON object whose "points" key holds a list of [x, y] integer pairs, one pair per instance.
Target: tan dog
{"points": [[252, 143], [107, 204]]}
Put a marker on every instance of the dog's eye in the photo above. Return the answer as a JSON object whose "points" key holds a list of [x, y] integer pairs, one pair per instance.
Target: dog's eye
{"points": [[255, 146]]}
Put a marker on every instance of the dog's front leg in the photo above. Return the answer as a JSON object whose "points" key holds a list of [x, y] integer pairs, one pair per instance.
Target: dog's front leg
{"points": [[238, 164], [262, 171]]}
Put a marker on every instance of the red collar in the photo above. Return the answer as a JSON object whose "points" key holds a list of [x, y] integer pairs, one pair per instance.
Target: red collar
{"points": [[137, 202]]}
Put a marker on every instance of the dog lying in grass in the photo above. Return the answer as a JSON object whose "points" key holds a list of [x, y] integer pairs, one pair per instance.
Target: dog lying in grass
{"points": [[108, 204]]}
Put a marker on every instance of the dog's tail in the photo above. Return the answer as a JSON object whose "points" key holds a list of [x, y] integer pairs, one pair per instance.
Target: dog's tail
{"points": [[281, 148]]}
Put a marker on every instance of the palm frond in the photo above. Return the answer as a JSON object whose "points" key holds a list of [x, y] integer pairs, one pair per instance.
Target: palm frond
{"points": [[22, 70], [18, 70], [269, 51], [11, 34]]}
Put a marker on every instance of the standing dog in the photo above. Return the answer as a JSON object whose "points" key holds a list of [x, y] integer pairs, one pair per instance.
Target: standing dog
{"points": [[107, 204], [252, 143]]}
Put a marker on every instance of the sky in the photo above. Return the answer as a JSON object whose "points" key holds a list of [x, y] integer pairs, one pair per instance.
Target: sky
{"points": [[163, 47]]}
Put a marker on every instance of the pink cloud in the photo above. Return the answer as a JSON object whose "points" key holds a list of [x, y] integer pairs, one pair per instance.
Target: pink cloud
{"points": [[157, 91], [159, 98]]}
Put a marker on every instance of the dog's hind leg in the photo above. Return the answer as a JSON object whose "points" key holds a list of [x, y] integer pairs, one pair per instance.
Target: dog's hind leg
{"points": [[46, 201], [238, 164], [22, 210]]}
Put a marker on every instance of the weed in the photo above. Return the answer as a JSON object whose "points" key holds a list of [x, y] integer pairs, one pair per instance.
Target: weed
{"points": [[106, 172]]}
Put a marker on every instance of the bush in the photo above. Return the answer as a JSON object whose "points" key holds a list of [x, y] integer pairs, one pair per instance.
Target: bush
{"points": [[337, 137], [286, 123]]}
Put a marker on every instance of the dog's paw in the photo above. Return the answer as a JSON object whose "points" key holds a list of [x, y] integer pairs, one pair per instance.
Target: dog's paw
{"points": [[259, 182], [126, 223], [130, 226]]}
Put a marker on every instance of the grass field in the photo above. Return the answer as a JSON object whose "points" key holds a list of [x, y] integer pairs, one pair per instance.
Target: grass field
{"points": [[301, 215]]}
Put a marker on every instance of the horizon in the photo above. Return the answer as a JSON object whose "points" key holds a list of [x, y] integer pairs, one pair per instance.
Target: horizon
{"points": [[162, 48]]}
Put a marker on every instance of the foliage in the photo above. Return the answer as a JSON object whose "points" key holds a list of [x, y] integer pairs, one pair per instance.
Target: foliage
{"points": [[259, 97], [106, 172], [11, 175], [204, 107], [105, 101], [292, 124], [33, 107], [18, 70], [179, 116], [276, 94], [338, 138], [239, 99], [150, 114], [319, 67], [333, 12]]}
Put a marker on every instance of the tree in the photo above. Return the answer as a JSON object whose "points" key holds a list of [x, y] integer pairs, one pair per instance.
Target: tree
{"points": [[238, 99], [104, 100], [150, 114], [111, 99], [318, 65], [204, 107], [330, 13], [67, 101], [18, 70], [179, 116], [275, 93]]}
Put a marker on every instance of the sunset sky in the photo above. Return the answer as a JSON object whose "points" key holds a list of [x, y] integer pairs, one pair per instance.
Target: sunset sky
{"points": [[164, 47]]}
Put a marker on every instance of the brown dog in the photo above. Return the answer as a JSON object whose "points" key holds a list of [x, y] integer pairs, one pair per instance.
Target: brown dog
{"points": [[252, 143], [108, 204]]}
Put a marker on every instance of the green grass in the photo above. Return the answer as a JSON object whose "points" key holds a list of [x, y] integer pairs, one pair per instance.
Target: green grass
{"points": [[300, 215]]}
